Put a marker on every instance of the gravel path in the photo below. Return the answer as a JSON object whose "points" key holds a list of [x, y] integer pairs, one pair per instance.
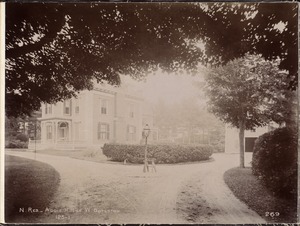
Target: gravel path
{"points": [[114, 193]]}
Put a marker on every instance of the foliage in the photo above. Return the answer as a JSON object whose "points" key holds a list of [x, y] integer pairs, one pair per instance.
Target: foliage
{"points": [[162, 153], [23, 125], [245, 186], [192, 121], [16, 144], [237, 91], [240, 93], [11, 126], [22, 137], [55, 50], [275, 161]]}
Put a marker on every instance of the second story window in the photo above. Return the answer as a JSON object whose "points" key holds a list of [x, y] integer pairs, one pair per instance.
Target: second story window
{"points": [[77, 106], [103, 106], [67, 107], [48, 108]]}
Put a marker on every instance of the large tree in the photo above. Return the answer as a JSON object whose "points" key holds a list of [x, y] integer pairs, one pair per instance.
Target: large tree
{"points": [[242, 93], [55, 50]]}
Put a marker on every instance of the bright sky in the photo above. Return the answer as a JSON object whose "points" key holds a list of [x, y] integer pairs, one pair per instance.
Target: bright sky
{"points": [[170, 88]]}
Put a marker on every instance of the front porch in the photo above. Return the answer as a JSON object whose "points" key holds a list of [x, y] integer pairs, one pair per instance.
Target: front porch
{"points": [[59, 134]]}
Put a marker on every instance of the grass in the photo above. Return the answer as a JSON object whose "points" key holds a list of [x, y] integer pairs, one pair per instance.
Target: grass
{"points": [[28, 184], [90, 155], [246, 187]]}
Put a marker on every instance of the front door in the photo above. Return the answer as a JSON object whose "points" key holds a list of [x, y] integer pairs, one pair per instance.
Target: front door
{"points": [[63, 131]]}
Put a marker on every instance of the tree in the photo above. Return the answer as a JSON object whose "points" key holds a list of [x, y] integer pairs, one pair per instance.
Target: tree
{"points": [[55, 50], [239, 93], [188, 117]]}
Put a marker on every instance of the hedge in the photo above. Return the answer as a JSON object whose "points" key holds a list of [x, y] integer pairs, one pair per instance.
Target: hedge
{"points": [[16, 144], [22, 137], [275, 161], [161, 153]]}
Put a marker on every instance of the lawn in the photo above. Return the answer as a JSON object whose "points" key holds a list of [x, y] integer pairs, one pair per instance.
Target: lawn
{"points": [[29, 186], [246, 187], [90, 155]]}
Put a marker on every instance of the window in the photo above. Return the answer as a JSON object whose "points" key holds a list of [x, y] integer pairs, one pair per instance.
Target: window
{"points": [[131, 111], [49, 132], [67, 107], [131, 133], [104, 107], [103, 131], [48, 108], [76, 106]]}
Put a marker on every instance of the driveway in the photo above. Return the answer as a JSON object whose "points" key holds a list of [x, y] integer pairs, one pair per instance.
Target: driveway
{"points": [[92, 192]]}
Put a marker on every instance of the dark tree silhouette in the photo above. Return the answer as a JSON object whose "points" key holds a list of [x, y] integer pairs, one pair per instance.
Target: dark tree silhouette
{"points": [[54, 50]]}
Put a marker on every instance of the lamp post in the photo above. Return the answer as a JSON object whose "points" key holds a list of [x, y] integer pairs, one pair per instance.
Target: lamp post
{"points": [[146, 132]]}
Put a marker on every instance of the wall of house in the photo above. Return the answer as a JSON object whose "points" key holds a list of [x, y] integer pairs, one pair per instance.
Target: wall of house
{"points": [[123, 113], [232, 137], [102, 117]]}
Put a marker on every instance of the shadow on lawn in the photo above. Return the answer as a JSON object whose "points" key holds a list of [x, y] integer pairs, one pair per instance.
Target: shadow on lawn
{"points": [[246, 187], [29, 188]]}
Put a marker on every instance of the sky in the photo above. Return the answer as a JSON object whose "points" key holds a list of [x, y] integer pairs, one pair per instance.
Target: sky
{"points": [[170, 88]]}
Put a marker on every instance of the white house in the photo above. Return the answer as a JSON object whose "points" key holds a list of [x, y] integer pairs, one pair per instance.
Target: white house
{"points": [[232, 137], [103, 115]]}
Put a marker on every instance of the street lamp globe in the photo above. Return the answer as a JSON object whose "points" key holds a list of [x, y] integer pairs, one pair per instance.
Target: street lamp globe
{"points": [[146, 131]]}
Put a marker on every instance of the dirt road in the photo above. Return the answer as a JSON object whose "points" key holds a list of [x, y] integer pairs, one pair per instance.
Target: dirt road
{"points": [[114, 193]]}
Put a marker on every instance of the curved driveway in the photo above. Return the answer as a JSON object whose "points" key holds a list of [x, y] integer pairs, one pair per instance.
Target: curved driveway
{"points": [[91, 192]]}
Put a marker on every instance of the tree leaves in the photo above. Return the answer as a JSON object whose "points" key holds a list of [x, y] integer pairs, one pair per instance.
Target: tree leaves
{"points": [[54, 50], [248, 89]]}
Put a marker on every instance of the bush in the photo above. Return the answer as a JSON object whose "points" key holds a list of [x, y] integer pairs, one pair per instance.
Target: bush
{"points": [[22, 137], [16, 144], [162, 153], [275, 161]]}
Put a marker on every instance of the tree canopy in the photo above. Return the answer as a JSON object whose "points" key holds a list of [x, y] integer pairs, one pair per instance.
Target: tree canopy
{"points": [[247, 93], [54, 50]]}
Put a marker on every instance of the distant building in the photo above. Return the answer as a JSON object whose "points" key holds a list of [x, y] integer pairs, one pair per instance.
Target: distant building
{"points": [[105, 114], [232, 137]]}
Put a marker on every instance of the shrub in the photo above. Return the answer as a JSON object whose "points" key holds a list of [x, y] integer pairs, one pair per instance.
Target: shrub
{"points": [[22, 137], [162, 153], [16, 144], [275, 161]]}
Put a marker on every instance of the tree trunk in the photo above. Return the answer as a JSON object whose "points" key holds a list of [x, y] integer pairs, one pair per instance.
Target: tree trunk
{"points": [[242, 145]]}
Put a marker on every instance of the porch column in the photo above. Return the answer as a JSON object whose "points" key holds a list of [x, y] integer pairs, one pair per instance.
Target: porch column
{"points": [[53, 134]]}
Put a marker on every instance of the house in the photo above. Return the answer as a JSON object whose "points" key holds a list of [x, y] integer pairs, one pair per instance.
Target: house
{"points": [[232, 137], [103, 115]]}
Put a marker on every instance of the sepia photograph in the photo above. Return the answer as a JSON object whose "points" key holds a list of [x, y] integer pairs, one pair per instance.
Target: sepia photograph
{"points": [[150, 113]]}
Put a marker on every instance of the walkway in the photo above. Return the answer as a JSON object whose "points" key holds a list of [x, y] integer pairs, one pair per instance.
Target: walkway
{"points": [[114, 193]]}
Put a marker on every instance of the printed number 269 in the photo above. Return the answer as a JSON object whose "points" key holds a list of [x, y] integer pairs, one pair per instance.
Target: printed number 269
{"points": [[272, 214]]}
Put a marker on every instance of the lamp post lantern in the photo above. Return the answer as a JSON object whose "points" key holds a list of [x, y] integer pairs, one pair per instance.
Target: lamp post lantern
{"points": [[146, 133]]}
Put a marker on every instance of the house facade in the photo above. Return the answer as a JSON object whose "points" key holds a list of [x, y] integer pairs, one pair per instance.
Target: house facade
{"points": [[232, 137], [105, 114]]}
